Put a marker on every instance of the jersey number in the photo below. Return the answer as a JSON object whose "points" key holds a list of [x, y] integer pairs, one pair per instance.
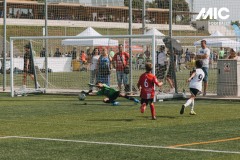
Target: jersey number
{"points": [[200, 77], [145, 83]]}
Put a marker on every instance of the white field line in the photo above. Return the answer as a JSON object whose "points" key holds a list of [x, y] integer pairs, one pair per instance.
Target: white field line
{"points": [[5, 137], [123, 144]]}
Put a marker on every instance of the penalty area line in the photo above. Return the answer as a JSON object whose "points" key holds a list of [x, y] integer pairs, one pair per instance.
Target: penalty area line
{"points": [[124, 144]]}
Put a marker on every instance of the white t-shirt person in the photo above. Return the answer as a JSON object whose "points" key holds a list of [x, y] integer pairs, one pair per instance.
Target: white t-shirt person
{"points": [[196, 81], [206, 51], [94, 63], [161, 57]]}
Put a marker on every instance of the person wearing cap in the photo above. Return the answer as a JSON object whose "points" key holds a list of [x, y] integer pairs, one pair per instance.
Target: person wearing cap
{"points": [[28, 68]]}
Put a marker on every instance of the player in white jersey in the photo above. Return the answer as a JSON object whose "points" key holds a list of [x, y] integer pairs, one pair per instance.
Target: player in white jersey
{"points": [[195, 86]]}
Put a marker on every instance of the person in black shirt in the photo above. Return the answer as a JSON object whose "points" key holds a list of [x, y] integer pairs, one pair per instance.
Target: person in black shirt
{"points": [[74, 53], [57, 53], [28, 68], [43, 52]]}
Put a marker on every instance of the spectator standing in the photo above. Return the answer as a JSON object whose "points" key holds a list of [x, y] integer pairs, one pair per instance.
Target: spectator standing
{"points": [[215, 56], [93, 67], [141, 56], [162, 67], [83, 57], [187, 56], [221, 53], [120, 60], [74, 53], [57, 53], [83, 61], [232, 55], [18, 14], [161, 61], [43, 52], [204, 55], [111, 53], [147, 54], [178, 55], [104, 67], [89, 57], [146, 86]]}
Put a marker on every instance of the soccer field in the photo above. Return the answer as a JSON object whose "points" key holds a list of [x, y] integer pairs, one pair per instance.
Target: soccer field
{"points": [[59, 127]]}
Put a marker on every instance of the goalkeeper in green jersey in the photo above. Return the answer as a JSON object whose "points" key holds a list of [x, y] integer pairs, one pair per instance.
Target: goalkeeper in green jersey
{"points": [[111, 94]]}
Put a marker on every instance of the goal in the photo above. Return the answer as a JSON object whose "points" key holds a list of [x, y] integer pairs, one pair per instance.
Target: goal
{"points": [[56, 70]]}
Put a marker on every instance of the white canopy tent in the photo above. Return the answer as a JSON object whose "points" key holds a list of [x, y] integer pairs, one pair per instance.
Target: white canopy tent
{"points": [[219, 42], [90, 42], [148, 41]]}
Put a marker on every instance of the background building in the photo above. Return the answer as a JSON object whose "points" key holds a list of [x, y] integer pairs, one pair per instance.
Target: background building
{"points": [[92, 2]]}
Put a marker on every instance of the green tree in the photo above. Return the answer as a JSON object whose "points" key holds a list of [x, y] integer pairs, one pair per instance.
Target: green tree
{"points": [[235, 22], [139, 3], [180, 10], [178, 5]]}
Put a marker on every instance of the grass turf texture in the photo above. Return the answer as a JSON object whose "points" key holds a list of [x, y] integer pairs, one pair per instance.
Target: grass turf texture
{"points": [[65, 117]]}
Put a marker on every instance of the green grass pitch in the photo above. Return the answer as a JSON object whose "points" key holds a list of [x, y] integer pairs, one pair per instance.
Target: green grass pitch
{"points": [[59, 127]]}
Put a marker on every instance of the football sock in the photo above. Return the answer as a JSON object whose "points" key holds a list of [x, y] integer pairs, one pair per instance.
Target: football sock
{"points": [[152, 110], [143, 108], [189, 101], [192, 105]]}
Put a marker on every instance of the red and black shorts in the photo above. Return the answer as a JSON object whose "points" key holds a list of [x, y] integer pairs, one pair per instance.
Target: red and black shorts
{"points": [[146, 101]]}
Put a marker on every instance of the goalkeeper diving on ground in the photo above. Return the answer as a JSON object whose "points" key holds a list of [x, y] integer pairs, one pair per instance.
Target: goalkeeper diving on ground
{"points": [[110, 93]]}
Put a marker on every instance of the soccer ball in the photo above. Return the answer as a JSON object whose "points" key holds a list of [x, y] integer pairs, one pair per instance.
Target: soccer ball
{"points": [[81, 96]]}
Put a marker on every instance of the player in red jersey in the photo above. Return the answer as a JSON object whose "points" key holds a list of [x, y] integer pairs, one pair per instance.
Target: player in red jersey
{"points": [[146, 86]]}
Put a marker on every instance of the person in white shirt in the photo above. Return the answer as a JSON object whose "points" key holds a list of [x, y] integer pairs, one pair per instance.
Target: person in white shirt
{"points": [[195, 86], [161, 63], [93, 67], [162, 67], [204, 55]]}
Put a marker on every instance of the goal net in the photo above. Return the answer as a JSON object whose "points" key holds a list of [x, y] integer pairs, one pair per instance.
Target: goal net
{"points": [[60, 67], [68, 64]]}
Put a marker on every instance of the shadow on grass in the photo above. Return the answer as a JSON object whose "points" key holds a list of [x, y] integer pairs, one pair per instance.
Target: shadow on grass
{"points": [[158, 117], [114, 120]]}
